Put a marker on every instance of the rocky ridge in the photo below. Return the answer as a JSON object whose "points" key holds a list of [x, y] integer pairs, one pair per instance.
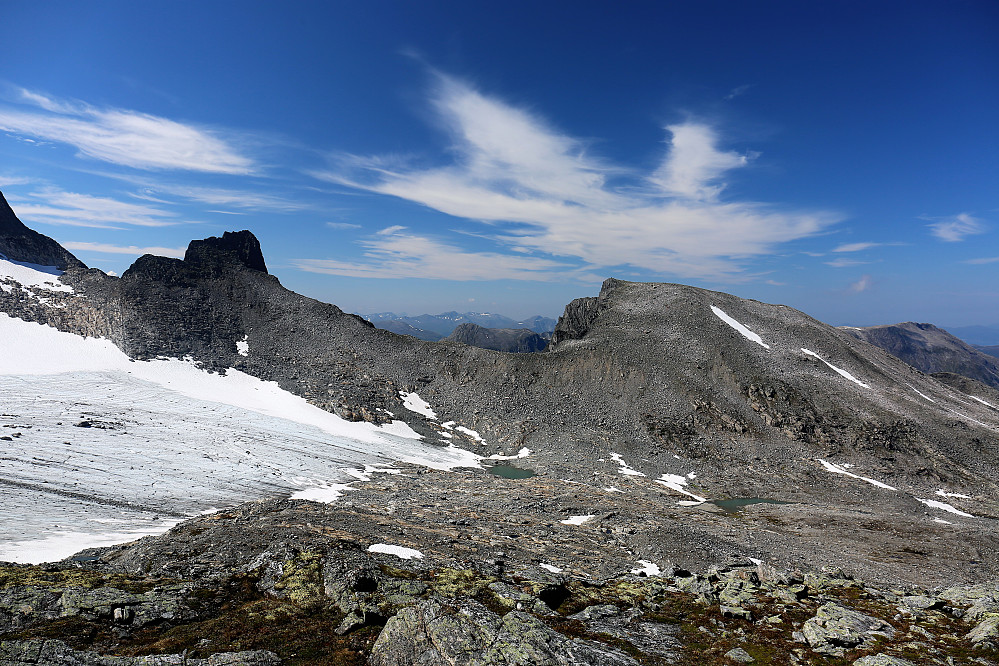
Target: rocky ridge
{"points": [[648, 394], [931, 349], [512, 340]]}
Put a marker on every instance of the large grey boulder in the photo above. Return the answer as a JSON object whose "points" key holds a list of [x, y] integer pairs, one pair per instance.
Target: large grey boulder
{"points": [[440, 633], [836, 629]]}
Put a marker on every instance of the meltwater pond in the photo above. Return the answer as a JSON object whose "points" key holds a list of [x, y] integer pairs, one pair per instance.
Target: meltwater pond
{"points": [[736, 504], [510, 472]]}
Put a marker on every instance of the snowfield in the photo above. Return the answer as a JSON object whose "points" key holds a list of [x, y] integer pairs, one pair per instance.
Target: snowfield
{"points": [[102, 449]]}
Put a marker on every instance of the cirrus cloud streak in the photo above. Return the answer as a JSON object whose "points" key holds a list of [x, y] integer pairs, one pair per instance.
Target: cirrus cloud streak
{"points": [[540, 190], [124, 137]]}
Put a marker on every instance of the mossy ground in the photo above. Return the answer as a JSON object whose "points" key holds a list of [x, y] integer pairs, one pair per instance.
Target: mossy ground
{"points": [[301, 627]]}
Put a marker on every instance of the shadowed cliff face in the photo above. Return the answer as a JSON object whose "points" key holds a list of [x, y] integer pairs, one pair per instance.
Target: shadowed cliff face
{"points": [[19, 243], [931, 349]]}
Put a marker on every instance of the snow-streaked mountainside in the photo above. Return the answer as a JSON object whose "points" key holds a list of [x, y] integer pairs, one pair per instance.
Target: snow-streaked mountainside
{"points": [[651, 390], [675, 458]]}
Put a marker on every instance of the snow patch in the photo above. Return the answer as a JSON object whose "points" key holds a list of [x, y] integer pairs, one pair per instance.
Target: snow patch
{"points": [[746, 333], [944, 493], [612, 489], [625, 467], [471, 433], [941, 520], [677, 483], [647, 568], [842, 372], [550, 567], [523, 453], [841, 469], [33, 275], [987, 404], [934, 504], [399, 551], [243, 346], [578, 520], [415, 403]]}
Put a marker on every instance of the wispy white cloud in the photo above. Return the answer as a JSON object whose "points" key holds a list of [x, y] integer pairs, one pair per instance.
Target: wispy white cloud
{"points": [[694, 162], [845, 263], [105, 248], [855, 247], [863, 284], [956, 227], [50, 205], [540, 190], [737, 91], [983, 260], [393, 253], [124, 137], [342, 225], [217, 196]]}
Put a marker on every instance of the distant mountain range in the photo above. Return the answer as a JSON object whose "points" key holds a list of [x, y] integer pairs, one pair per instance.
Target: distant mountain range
{"points": [[932, 350], [438, 326]]}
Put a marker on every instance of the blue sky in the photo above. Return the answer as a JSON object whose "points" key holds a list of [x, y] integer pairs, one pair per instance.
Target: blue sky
{"points": [[839, 157]]}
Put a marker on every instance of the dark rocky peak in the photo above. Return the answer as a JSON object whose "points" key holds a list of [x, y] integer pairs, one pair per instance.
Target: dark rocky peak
{"points": [[19, 243], [580, 314], [234, 247]]}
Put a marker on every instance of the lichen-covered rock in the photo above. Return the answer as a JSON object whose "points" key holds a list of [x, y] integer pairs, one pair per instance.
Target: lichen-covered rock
{"points": [[56, 653], [882, 660], [439, 633], [740, 655], [836, 629], [986, 631]]}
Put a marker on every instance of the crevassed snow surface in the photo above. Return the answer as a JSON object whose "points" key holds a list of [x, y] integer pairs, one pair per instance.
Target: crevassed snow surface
{"points": [[32, 275], [842, 372], [746, 333], [934, 504], [841, 469], [415, 403], [166, 441], [577, 520], [399, 551]]}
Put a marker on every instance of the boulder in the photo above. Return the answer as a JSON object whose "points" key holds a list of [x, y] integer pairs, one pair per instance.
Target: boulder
{"points": [[836, 629], [440, 633]]}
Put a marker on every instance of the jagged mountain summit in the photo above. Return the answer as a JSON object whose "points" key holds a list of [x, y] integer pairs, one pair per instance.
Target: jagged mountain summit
{"points": [[931, 349], [664, 430]]}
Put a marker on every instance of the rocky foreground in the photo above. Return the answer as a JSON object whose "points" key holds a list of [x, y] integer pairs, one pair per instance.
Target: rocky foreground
{"points": [[427, 568]]}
